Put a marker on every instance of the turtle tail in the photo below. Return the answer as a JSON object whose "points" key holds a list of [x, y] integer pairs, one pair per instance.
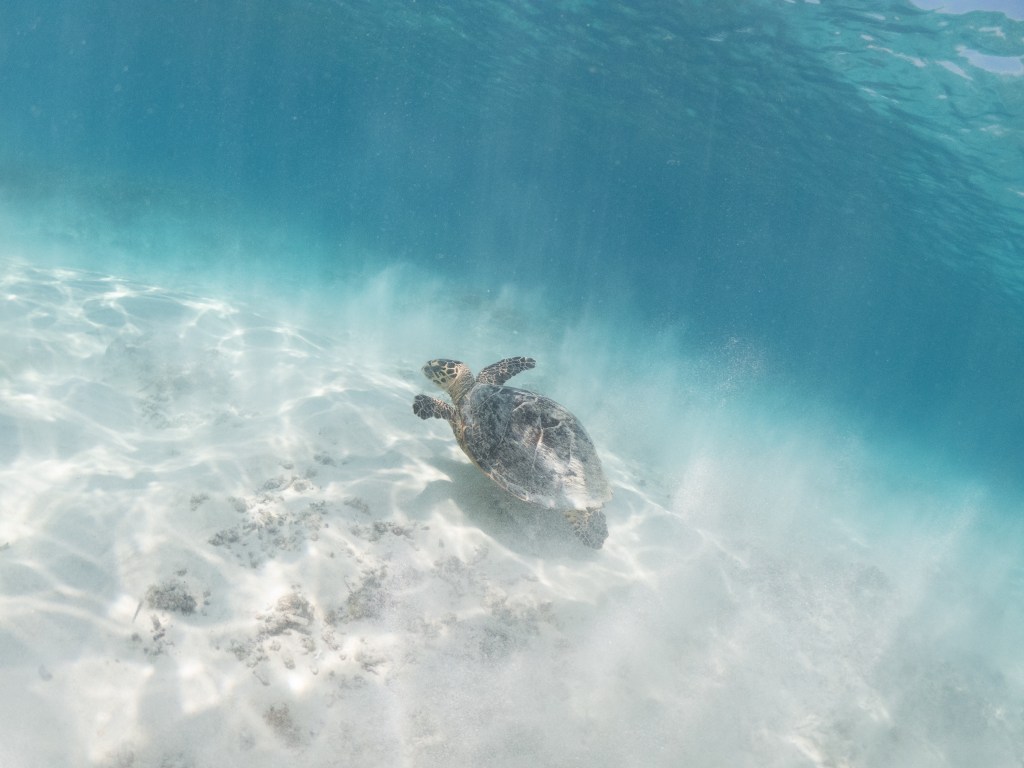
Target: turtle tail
{"points": [[589, 525]]}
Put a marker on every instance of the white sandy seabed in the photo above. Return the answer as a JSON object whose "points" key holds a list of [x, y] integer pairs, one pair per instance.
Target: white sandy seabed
{"points": [[227, 541]]}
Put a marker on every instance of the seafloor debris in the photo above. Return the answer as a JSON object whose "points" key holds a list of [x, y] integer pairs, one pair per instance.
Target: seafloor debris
{"points": [[280, 720], [271, 524], [292, 612], [171, 595]]}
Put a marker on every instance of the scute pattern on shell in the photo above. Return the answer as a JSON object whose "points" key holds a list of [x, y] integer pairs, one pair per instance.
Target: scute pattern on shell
{"points": [[531, 446]]}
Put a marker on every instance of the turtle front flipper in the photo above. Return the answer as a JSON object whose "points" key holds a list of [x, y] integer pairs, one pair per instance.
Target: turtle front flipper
{"points": [[589, 525], [431, 408], [503, 370]]}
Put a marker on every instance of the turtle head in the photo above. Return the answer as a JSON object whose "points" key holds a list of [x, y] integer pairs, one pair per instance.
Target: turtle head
{"points": [[453, 377]]}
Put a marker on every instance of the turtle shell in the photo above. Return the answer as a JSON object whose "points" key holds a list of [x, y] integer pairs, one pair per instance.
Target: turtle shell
{"points": [[532, 447]]}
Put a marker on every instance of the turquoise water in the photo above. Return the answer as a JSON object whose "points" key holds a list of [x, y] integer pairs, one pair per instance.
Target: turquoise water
{"points": [[834, 184], [774, 251]]}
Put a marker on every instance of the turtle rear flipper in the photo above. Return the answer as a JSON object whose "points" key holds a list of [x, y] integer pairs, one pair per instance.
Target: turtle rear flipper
{"points": [[503, 370], [589, 525]]}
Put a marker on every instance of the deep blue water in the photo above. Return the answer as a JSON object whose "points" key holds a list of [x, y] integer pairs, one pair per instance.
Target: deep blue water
{"points": [[813, 179]]}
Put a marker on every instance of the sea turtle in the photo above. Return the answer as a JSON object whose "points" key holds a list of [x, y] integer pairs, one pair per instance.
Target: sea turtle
{"points": [[527, 443]]}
